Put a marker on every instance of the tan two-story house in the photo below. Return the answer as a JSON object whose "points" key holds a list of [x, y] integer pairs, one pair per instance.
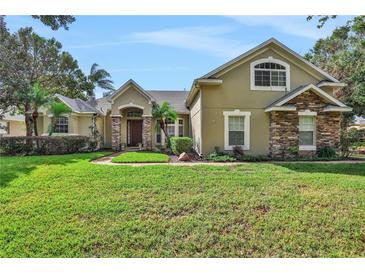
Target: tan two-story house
{"points": [[268, 100]]}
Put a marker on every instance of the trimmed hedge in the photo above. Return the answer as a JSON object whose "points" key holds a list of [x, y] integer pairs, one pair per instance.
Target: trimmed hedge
{"points": [[44, 145], [181, 144]]}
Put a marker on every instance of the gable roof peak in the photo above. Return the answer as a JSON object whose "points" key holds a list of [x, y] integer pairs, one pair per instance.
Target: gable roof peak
{"points": [[131, 82], [271, 40]]}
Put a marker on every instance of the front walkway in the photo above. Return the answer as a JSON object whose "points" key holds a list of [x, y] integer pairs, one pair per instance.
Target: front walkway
{"points": [[107, 160]]}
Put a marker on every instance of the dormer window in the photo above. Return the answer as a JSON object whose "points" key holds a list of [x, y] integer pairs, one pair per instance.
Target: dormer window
{"points": [[270, 74]]}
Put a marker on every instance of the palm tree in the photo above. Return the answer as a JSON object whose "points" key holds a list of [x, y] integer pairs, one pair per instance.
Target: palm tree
{"points": [[163, 113], [39, 98], [99, 78], [57, 110]]}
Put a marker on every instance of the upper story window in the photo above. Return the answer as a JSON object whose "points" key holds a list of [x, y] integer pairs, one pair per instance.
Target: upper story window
{"points": [[270, 74]]}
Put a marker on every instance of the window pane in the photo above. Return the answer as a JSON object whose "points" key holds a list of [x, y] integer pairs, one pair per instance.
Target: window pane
{"points": [[306, 123], [158, 132], [236, 123], [171, 130], [306, 138], [61, 125], [236, 138], [181, 128]]}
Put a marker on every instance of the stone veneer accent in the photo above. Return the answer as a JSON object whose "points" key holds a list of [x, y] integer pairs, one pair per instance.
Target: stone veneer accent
{"points": [[116, 139], [147, 133], [284, 126]]}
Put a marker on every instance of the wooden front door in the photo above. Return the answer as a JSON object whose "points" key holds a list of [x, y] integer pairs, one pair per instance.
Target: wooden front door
{"points": [[134, 131]]}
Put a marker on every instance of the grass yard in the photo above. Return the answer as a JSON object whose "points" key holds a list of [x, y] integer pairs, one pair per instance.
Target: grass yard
{"points": [[141, 157], [65, 206]]}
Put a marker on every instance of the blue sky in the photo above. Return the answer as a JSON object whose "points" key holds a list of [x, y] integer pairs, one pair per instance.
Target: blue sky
{"points": [[168, 52]]}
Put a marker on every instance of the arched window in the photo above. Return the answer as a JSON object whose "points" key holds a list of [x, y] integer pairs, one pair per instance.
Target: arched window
{"points": [[270, 74]]}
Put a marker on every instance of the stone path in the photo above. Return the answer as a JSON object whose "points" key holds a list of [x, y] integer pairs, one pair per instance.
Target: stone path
{"points": [[107, 160]]}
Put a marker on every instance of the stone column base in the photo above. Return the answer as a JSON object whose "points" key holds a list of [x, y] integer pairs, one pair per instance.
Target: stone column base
{"points": [[116, 139], [147, 133]]}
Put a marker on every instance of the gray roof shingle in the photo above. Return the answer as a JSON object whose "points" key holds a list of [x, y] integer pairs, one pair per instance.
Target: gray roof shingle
{"points": [[176, 98], [77, 105]]}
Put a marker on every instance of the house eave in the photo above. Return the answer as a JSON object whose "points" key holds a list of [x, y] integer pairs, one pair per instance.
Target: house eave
{"points": [[281, 108]]}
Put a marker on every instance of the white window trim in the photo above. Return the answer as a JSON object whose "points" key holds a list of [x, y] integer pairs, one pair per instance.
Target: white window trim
{"points": [[237, 112], [309, 147], [271, 88]]}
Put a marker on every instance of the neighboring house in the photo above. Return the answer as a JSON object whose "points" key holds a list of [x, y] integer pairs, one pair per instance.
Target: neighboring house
{"points": [[359, 122], [269, 100], [12, 125]]}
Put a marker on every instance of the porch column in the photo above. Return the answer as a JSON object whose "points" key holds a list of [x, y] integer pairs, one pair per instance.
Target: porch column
{"points": [[116, 120], [147, 132]]}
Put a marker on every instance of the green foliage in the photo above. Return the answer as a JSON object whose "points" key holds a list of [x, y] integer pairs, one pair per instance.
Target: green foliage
{"points": [[326, 152], [88, 210], [99, 78], [57, 109], [294, 150], [214, 157], [56, 21], [181, 144], [254, 158], [163, 113], [342, 54], [237, 151], [39, 98], [141, 157], [43, 145], [348, 141]]}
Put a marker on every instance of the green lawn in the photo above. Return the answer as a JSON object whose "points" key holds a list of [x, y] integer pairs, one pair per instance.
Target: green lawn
{"points": [[65, 206], [141, 157]]}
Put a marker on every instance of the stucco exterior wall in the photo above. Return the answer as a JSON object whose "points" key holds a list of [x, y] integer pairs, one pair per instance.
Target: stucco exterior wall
{"points": [[131, 95], [196, 123], [236, 93]]}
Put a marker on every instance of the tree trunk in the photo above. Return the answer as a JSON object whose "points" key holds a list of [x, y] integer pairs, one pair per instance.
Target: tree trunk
{"points": [[35, 117], [163, 127], [28, 120]]}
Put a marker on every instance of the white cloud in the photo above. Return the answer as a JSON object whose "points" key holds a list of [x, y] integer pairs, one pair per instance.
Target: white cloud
{"points": [[205, 39], [209, 40], [150, 69], [292, 25]]}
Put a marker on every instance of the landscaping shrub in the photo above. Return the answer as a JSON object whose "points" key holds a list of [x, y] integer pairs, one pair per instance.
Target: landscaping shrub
{"points": [[220, 158], [181, 144], [44, 145], [348, 141], [326, 152], [254, 158], [238, 151]]}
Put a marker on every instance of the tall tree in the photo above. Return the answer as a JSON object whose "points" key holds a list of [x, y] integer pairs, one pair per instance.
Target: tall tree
{"points": [[26, 59], [39, 98], [342, 54], [56, 21], [163, 113], [99, 78]]}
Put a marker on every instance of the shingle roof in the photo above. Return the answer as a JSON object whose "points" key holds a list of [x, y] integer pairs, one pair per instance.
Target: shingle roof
{"points": [[103, 104], [176, 98], [290, 93], [77, 105]]}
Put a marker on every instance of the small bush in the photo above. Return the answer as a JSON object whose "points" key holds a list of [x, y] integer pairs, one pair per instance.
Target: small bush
{"points": [[181, 144], [348, 141], [326, 152], [238, 151], [254, 158], [44, 145], [220, 158]]}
